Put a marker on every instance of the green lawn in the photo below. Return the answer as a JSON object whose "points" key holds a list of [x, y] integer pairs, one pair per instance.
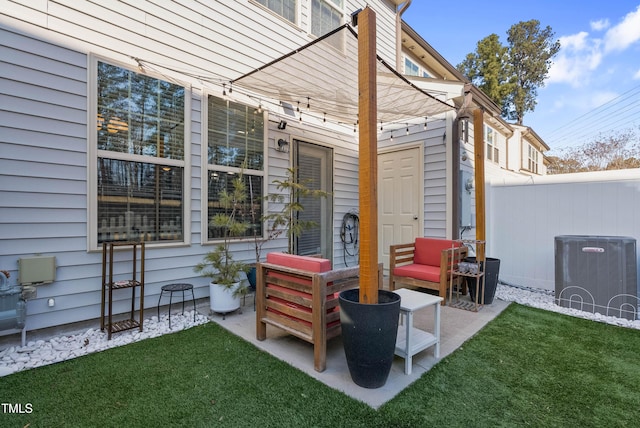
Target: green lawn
{"points": [[528, 367]]}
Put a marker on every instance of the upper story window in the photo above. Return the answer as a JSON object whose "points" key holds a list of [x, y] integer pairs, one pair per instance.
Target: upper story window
{"points": [[326, 15], [235, 146], [491, 140], [532, 159], [284, 8], [137, 157], [411, 68]]}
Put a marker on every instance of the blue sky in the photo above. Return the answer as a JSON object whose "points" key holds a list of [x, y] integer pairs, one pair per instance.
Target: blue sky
{"points": [[594, 83]]}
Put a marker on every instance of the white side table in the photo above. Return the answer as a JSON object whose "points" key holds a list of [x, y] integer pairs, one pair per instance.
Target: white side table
{"points": [[411, 340]]}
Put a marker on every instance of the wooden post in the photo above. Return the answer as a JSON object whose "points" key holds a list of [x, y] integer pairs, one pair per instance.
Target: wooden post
{"points": [[479, 149], [368, 148]]}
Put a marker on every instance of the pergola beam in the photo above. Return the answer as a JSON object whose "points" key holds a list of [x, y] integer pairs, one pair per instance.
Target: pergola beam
{"points": [[368, 156], [478, 145]]}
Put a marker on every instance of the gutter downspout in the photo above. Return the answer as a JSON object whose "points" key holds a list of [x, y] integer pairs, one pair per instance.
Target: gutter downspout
{"points": [[403, 8]]}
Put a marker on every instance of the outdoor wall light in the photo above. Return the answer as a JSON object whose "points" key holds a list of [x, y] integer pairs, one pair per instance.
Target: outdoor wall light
{"points": [[283, 145], [282, 124]]}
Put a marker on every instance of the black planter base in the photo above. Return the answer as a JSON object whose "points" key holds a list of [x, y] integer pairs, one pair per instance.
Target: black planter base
{"points": [[369, 336], [490, 280]]}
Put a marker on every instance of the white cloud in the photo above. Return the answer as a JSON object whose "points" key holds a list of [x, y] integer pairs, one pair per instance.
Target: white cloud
{"points": [[637, 75], [624, 34], [599, 25], [578, 56]]}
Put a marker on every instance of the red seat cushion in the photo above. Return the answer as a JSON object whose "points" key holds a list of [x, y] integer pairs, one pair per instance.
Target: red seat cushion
{"points": [[310, 264], [418, 271], [429, 250]]}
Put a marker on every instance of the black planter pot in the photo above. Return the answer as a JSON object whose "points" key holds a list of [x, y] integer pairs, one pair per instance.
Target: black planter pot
{"points": [[490, 282], [369, 336], [251, 276]]}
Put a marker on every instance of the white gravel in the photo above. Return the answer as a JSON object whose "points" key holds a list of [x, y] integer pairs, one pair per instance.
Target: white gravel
{"points": [[545, 300], [60, 348]]}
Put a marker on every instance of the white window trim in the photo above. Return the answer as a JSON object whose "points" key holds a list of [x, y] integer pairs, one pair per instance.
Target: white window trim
{"points": [[93, 153], [204, 165]]}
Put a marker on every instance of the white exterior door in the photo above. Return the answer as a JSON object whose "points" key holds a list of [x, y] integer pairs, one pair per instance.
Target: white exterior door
{"points": [[400, 196]]}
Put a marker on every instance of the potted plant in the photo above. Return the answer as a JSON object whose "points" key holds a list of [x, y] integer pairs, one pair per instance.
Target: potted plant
{"points": [[226, 286], [286, 220]]}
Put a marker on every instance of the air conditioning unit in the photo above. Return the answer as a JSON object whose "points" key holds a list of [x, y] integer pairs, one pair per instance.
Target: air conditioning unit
{"points": [[597, 274]]}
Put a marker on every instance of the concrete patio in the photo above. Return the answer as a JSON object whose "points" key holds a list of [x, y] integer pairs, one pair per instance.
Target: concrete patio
{"points": [[457, 326]]}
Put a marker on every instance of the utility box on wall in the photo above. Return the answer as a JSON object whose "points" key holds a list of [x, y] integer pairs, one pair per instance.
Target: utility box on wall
{"points": [[597, 274], [467, 216], [37, 270]]}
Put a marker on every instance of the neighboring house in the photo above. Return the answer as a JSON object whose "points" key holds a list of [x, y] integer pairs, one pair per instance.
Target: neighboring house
{"points": [[528, 156], [510, 151], [116, 123]]}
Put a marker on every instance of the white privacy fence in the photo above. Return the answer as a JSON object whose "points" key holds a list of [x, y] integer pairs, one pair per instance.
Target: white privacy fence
{"points": [[525, 215]]}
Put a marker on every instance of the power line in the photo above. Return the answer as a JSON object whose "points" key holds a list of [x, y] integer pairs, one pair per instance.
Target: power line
{"points": [[577, 122], [607, 117]]}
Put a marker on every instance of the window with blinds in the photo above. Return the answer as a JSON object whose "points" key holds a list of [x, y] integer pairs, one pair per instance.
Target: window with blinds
{"points": [[327, 15], [140, 156], [284, 8], [235, 145]]}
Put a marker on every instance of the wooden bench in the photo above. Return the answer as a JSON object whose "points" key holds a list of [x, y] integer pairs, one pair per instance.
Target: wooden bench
{"points": [[299, 294], [426, 263]]}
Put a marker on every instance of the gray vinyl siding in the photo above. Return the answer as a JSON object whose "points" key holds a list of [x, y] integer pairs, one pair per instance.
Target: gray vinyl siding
{"points": [[435, 181], [44, 49]]}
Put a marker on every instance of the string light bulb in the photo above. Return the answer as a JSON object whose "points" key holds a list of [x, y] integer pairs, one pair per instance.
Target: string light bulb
{"points": [[407, 129], [425, 123], [308, 103]]}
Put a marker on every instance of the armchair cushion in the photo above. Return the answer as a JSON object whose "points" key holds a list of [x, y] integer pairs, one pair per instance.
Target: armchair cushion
{"points": [[429, 250], [424, 272], [309, 264]]}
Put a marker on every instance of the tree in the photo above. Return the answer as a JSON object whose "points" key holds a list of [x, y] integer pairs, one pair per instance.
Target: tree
{"points": [[488, 67], [511, 75], [619, 150]]}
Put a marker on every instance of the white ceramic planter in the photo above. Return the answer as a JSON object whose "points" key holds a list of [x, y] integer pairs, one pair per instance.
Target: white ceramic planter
{"points": [[221, 299]]}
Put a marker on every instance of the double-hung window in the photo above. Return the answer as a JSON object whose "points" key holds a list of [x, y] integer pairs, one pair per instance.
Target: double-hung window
{"points": [[137, 157], [284, 8], [326, 15], [235, 146], [490, 138], [532, 160]]}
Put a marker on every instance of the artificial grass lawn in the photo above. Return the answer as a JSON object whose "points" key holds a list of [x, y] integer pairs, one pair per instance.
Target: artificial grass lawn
{"points": [[527, 367]]}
